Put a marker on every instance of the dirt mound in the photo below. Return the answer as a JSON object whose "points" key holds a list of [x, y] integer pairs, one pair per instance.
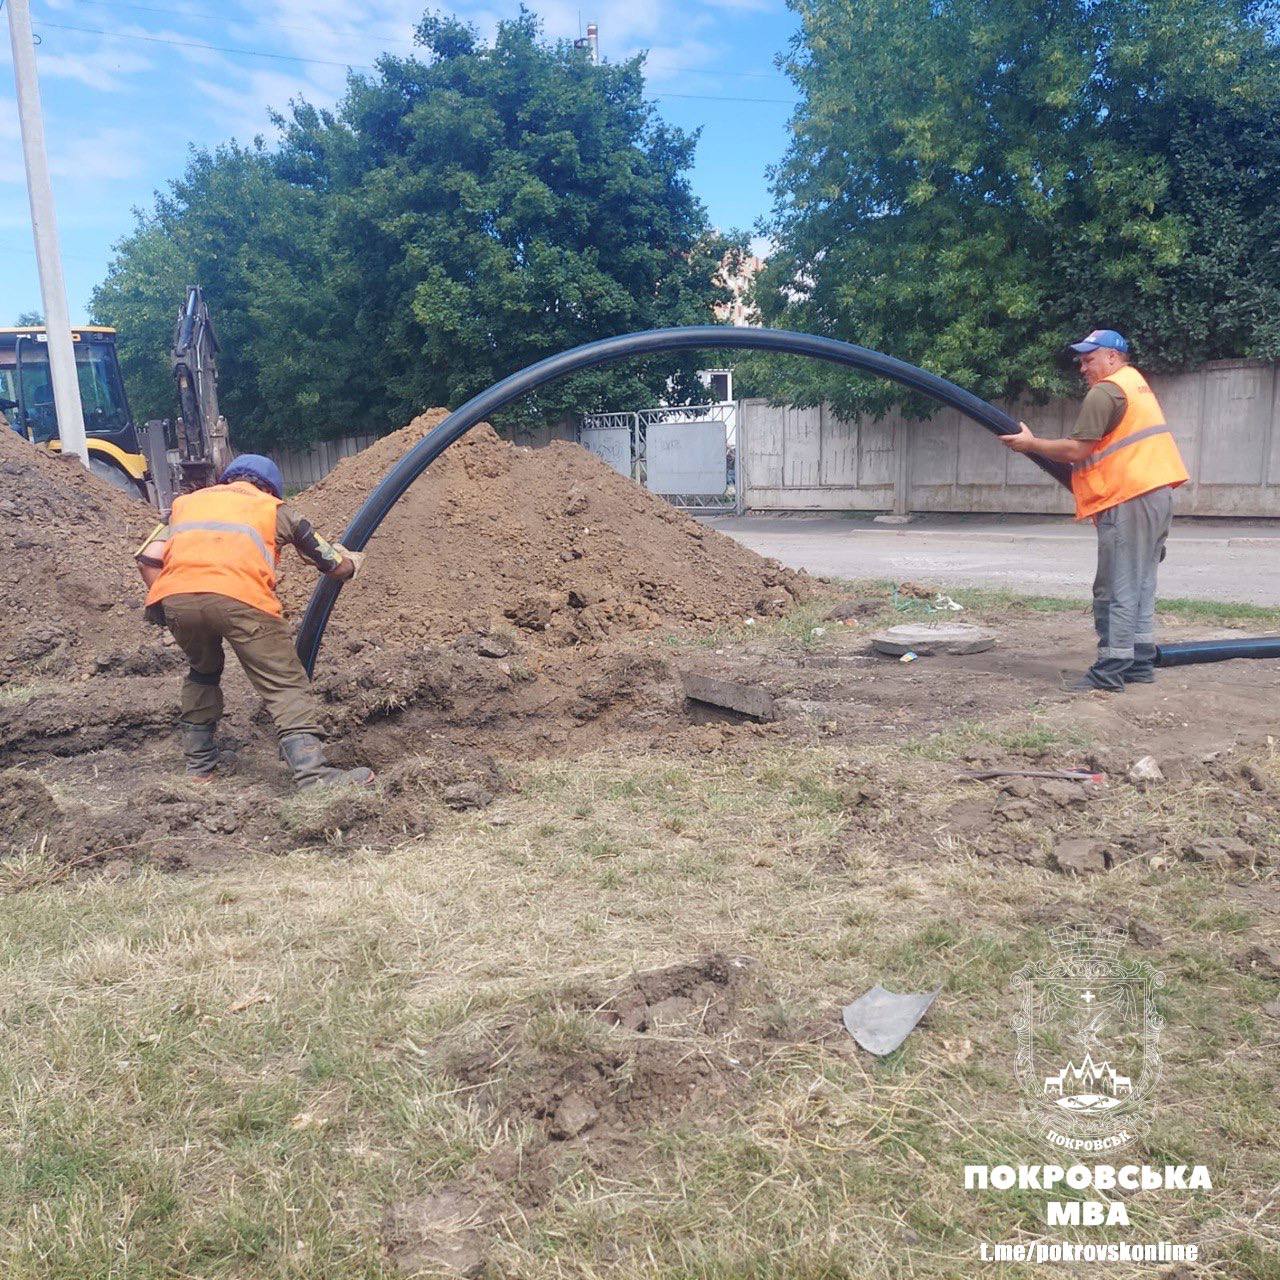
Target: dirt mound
{"points": [[673, 1031], [551, 542], [70, 598]]}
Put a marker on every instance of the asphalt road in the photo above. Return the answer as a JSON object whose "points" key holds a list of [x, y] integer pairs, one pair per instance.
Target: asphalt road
{"points": [[1236, 561]]}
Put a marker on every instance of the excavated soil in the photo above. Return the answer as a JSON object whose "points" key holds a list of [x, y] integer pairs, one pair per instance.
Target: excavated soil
{"points": [[521, 602], [551, 543], [70, 596], [513, 601]]}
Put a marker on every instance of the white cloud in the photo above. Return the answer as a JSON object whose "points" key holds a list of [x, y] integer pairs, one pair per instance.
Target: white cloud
{"points": [[173, 41], [108, 154], [672, 63], [108, 69], [325, 29], [8, 122], [244, 98]]}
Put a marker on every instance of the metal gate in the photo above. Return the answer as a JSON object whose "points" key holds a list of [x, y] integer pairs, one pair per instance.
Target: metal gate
{"points": [[611, 436], [685, 453]]}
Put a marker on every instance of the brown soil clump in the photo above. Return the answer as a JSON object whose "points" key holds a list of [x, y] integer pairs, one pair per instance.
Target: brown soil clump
{"points": [[586, 1084], [679, 1041], [551, 544], [71, 598], [681, 1034]]}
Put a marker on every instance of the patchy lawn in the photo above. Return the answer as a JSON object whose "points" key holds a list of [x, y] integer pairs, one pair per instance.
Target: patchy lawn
{"points": [[442, 1060]]}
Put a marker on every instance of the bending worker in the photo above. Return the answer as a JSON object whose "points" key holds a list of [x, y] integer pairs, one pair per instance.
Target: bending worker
{"points": [[212, 573], [1125, 466]]}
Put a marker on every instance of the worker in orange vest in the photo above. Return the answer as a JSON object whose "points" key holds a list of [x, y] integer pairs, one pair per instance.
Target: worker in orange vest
{"points": [[1125, 466], [211, 576]]}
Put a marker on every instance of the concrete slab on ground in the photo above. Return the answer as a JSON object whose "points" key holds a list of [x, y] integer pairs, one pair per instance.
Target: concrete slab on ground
{"points": [[1227, 560]]}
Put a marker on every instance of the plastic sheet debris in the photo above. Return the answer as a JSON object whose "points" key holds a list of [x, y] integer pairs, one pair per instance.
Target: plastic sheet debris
{"points": [[881, 1020], [909, 596], [909, 656]]}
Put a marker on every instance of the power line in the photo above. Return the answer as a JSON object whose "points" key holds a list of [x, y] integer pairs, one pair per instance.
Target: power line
{"points": [[365, 31], [351, 66], [211, 48], [254, 19]]}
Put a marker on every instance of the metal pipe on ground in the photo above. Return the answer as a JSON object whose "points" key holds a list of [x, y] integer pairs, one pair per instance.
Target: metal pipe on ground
{"points": [[394, 484]]}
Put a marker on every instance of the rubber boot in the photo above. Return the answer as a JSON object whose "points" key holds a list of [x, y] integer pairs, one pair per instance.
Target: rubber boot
{"points": [[304, 754], [199, 749], [1143, 670], [1106, 674]]}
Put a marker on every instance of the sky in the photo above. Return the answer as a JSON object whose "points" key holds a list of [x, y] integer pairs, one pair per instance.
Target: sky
{"points": [[128, 88]]}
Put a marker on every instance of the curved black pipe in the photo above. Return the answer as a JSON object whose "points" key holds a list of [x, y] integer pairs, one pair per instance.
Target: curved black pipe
{"points": [[1192, 651], [393, 485]]}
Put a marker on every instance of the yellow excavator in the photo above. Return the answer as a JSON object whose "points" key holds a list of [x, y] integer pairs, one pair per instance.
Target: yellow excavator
{"points": [[26, 399], [162, 459]]}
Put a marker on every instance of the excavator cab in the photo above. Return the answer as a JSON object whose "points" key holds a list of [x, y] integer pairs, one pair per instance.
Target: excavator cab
{"points": [[27, 388]]}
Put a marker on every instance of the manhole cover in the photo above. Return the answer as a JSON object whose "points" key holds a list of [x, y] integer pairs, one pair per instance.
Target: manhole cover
{"points": [[927, 638]]}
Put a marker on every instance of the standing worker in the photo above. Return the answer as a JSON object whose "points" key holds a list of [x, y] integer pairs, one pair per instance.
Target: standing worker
{"points": [[1125, 466], [211, 576]]}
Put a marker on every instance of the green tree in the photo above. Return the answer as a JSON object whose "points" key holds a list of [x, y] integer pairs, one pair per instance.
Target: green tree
{"points": [[971, 185], [231, 225], [29, 318], [456, 217]]}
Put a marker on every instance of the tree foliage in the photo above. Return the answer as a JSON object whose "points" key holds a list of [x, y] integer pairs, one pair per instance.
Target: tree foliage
{"points": [[973, 184], [456, 217]]}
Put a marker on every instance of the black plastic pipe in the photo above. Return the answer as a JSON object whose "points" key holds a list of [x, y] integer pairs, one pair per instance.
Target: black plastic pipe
{"points": [[1183, 655], [393, 485]]}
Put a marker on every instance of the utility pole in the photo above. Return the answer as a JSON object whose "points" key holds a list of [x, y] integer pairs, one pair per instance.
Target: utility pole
{"points": [[44, 226]]}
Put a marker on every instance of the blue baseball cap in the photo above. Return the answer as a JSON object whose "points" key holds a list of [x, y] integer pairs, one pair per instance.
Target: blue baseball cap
{"points": [[1101, 338]]}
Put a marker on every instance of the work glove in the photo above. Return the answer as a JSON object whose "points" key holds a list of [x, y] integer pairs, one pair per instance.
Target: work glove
{"points": [[356, 557]]}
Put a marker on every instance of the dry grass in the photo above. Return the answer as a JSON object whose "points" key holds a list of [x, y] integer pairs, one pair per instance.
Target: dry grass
{"points": [[18, 695], [232, 1077]]}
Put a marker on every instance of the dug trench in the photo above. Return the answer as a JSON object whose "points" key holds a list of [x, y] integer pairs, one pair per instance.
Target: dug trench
{"points": [[523, 603]]}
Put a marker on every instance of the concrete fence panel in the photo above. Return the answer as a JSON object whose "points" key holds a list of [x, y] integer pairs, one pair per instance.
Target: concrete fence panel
{"points": [[305, 467], [1225, 417]]}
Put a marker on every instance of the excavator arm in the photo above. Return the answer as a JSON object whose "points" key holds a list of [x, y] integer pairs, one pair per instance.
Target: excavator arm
{"points": [[203, 443], [196, 447]]}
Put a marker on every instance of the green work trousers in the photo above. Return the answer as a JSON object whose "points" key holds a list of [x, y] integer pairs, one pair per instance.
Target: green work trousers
{"points": [[201, 621]]}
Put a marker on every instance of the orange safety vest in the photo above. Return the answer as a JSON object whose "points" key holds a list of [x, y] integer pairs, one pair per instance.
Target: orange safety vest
{"points": [[1136, 456], [222, 539]]}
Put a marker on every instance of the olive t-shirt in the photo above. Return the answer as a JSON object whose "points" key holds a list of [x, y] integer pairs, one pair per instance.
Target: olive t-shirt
{"points": [[1100, 413]]}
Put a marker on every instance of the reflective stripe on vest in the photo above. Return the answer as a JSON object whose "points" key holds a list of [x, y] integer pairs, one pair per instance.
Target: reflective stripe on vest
{"points": [[222, 541], [1137, 456], [1094, 458], [224, 526]]}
